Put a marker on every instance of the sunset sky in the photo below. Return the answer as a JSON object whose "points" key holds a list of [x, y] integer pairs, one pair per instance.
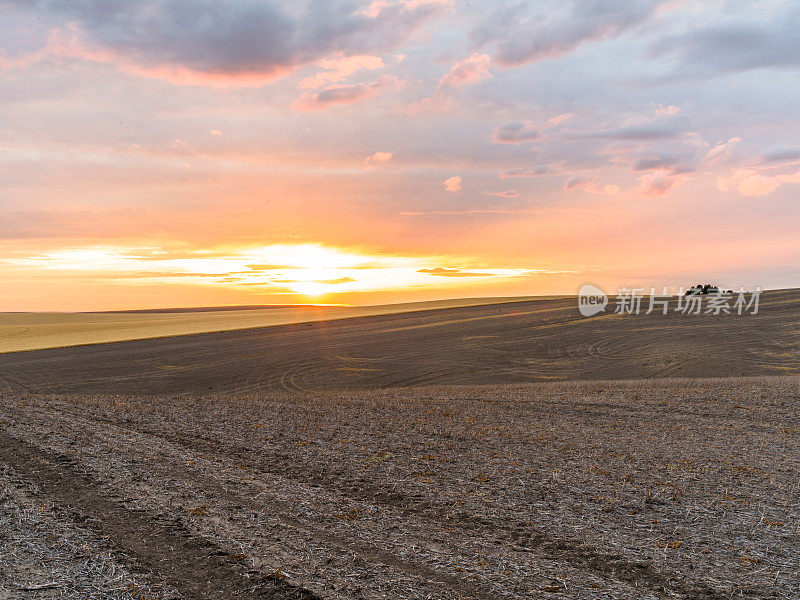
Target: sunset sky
{"points": [[176, 153]]}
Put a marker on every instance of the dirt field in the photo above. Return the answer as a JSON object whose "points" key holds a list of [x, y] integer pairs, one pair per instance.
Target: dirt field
{"points": [[227, 465], [34, 331], [651, 489], [539, 340]]}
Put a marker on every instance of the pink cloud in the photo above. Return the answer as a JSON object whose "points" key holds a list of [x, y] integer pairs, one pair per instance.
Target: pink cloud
{"points": [[453, 184], [557, 120], [471, 70], [378, 157], [752, 183], [336, 69], [506, 194], [723, 150], [375, 7], [667, 110]]}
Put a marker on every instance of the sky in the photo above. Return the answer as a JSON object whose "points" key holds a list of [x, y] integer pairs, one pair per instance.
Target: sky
{"points": [[219, 152]]}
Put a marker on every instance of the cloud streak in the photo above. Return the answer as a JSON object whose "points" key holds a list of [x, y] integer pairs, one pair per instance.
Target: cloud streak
{"points": [[336, 69], [526, 31], [338, 94], [469, 71], [589, 185]]}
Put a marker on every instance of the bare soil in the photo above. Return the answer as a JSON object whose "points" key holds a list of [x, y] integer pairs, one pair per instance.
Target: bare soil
{"points": [[668, 488], [191, 564]]}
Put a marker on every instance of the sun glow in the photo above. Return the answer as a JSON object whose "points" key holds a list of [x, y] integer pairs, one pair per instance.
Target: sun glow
{"points": [[310, 270], [310, 288]]}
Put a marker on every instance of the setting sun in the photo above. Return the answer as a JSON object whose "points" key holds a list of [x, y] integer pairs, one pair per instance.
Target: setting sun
{"points": [[291, 271]]}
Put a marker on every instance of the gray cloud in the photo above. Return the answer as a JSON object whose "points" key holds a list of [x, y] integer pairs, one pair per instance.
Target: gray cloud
{"points": [[739, 43], [576, 183], [527, 171], [635, 133], [658, 185], [514, 133], [527, 31], [341, 94], [233, 37], [672, 164], [781, 155]]}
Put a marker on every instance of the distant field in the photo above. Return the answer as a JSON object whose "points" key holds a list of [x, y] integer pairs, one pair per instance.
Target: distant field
{"points": [[543, 339], [34, 331], [648, 490]]}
